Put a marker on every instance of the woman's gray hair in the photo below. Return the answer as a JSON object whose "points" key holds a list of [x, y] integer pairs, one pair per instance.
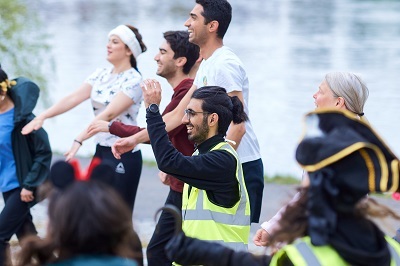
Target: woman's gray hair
{"points": [[351, 88]]}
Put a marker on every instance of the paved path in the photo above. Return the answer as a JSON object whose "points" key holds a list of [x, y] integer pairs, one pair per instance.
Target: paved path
{"points": [[152, 193]]}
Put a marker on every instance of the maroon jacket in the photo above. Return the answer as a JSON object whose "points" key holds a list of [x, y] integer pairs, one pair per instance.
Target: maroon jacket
{"points": [[121, 130], [178, 136]]}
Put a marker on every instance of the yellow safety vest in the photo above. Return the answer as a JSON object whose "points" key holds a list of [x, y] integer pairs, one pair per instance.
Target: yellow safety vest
{"points": [[303, 253], [204, 220]]}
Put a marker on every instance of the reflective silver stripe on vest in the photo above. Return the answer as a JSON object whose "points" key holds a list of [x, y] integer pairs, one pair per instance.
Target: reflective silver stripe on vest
{"points": [[228, 219], [394, 254], [310, 258], [240, 218], [307, 254], [241, 211]]}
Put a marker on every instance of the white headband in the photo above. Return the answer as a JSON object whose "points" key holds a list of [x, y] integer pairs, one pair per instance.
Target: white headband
{"points": [[128, 37]]}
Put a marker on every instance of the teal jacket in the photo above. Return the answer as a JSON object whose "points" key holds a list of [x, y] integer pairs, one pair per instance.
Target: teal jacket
{"points": [[32, 152], [95, 261]]}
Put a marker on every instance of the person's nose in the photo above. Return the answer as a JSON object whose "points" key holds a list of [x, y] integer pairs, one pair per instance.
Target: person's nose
{"points": [[185, 120], [187, 23], [315, 95], [157, 57]]}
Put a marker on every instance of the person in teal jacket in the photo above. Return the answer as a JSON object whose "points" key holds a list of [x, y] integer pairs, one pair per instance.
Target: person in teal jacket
{"points": [[345, 160], [24, 159]]}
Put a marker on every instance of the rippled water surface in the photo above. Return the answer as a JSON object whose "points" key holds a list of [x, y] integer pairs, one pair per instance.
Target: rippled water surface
{"points": [[286, 46]]}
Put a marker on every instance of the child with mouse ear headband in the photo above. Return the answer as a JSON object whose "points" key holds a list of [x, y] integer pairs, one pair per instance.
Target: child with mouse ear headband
{"points": [[89, 223]]}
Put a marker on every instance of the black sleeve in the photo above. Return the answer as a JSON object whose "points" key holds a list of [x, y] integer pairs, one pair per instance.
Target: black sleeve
{"points": [[215, 170], [41, 155], [191, 251]]}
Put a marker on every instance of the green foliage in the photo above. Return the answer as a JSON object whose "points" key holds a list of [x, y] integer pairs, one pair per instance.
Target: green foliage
{"points": [[24, 48], [150, 163], [282, 179]]}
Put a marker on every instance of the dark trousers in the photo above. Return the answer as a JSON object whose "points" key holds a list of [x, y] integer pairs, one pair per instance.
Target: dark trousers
{"points": [[15, 218], [254, 178], [163, 233], [127, 172]]}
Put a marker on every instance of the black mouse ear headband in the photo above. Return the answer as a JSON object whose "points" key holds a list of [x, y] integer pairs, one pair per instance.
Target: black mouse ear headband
{"points": [[63, 174]]}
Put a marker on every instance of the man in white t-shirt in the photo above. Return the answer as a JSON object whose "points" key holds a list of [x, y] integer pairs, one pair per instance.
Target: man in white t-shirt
{"points": [[207, 25]]}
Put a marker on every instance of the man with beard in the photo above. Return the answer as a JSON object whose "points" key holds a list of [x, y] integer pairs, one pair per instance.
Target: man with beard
{"points": [[215, 204]]}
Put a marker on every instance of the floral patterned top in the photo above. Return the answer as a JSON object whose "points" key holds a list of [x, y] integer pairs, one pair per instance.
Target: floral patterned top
{"points": [[105, 86]]}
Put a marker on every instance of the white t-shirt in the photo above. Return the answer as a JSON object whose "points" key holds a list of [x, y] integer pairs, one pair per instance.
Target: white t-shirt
{"points": [[225, 69], [105, 86]]}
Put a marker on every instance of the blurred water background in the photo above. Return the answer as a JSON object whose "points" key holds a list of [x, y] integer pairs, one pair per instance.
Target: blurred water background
{"points": [[286, 45]]}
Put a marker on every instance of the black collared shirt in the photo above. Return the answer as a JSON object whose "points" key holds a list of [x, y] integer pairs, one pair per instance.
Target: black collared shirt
{"points": [[212, 171]]}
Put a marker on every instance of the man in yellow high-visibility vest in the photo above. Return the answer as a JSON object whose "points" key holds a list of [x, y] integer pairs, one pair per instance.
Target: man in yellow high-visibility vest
{"points": [[215, 204]]}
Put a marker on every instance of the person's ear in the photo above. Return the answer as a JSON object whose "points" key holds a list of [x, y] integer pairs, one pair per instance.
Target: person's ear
{"points": [[340, 102], [213, 26], [181, 61], [213, 119]]}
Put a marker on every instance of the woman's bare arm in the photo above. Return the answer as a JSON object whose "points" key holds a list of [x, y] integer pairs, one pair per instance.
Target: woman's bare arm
{"points": [[119, 104], [62, 106]]}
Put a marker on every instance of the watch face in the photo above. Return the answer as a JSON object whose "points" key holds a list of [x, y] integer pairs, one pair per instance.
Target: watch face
{"points": [[153, 108]]}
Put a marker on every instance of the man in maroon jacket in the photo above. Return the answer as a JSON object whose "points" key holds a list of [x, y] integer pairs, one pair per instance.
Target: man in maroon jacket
{"points": [[176, 62]]}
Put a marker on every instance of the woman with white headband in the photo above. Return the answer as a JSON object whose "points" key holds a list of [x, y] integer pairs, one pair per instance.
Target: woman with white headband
{"points": [[116, 95]]}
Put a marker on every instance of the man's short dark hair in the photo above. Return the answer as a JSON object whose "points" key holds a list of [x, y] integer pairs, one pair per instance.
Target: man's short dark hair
{"points": [[219, 10], [179, 42]]}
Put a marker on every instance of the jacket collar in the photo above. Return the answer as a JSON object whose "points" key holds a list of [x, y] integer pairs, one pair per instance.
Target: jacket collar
{"points": [[210, 143]]}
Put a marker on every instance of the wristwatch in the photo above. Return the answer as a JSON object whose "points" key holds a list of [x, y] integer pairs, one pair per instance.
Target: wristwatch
{"points": [[153, 108]]}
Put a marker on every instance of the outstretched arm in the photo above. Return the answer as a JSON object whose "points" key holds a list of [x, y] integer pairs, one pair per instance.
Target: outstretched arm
{"points": [[120, 103], [172, 120], [270, 227], [62, 106], [191, 251]]}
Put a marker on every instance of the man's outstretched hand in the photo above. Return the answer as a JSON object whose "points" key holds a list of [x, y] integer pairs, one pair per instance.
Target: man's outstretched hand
{"points": [[123, 145]]}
